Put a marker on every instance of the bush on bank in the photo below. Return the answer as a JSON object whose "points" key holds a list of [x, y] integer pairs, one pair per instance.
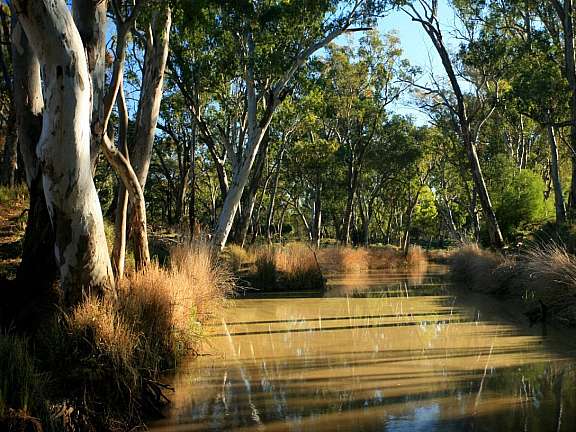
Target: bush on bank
{"points": [[98, 367], [543, 276]]}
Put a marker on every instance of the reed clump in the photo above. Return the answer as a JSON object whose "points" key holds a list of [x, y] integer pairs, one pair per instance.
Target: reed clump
{"points": [[543, 276], [298, 267], [104, 357], [236, 256], [474, 268], [279, 267], [357, 259]]}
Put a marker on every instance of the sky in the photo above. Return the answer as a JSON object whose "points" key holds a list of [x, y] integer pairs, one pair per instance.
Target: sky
{"points": [[418, 49]]}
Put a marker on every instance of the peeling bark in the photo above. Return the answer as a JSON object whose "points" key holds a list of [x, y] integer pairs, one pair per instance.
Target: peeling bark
{"points": [[64, 149]]}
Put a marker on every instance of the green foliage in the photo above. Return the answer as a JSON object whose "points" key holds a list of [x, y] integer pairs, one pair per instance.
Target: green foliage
{"points": [[426, 214], [522, 202]]}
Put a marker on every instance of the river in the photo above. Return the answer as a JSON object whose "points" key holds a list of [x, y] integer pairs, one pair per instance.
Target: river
{"points": [[379, 351]]}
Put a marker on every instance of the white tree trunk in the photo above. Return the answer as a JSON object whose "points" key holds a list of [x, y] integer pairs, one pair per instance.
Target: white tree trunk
{"points": [[64, 148], [147, 116], [90, 19]]}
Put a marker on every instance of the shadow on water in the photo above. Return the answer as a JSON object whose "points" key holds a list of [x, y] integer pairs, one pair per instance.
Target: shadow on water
{"points": [[381, 351]]}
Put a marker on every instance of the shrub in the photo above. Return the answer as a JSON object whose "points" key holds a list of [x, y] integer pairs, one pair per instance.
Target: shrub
{"points": [[107, 354], [522, 202], [236, 256], [474, 267]]}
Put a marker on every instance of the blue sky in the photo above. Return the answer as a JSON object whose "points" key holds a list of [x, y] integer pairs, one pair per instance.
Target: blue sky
{"points": [[419, 50]]}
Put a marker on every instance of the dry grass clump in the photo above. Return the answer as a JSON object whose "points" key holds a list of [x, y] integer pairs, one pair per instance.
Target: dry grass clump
{"points": [[236, 256], [354, 259], [346, 259], [416, 256], [106, 355], [544, 276], [265, 274], [474, 268], [298, 267], [290, 267], [350, 259], [208, 280], [295, 258], [550, 278], [387, 257]]}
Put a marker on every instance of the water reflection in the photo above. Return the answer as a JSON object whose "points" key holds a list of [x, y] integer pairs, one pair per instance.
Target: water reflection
{"points": [[381, 351]]}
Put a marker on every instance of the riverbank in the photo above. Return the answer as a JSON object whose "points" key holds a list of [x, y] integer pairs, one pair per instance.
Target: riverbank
{"points": [[544, 278], [300, 267], [99, 365]]}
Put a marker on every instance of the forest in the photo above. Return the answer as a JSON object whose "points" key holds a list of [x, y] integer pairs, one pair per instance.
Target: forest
{"points": [[167, 164]]}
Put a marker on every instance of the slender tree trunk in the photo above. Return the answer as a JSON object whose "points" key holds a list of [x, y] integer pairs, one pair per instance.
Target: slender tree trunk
{"points": [[317, 223], [431, 26], [71, 198], [250, 193], [148, 111], [365, 218], [555, 174], [565, 13], [273, 193], [192, 201], [494, 232], [119, 249], [349, 201]]}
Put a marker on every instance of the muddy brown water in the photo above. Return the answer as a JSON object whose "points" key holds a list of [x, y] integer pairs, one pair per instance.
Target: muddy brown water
{"points": [[379, 351]]}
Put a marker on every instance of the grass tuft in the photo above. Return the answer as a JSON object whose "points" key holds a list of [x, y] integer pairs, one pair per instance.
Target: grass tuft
{"points": [[106, 356], [544, 276]]}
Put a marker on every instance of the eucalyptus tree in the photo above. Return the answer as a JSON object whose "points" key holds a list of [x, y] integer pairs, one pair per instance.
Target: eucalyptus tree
{"points": [[514, 41], [391, 160], [360, 86], [269, 42], [63, 148], [469, 118]]}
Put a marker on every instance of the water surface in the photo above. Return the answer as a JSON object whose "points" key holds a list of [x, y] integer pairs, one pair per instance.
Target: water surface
{"points": [[379, 351]]}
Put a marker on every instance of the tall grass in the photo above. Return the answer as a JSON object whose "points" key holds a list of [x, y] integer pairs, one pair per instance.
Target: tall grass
{"points": [[475, 268], [541, 275], [271, 267], [106, 355], [236, 256], [349, 259], [22, 386], [298, 267]]}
